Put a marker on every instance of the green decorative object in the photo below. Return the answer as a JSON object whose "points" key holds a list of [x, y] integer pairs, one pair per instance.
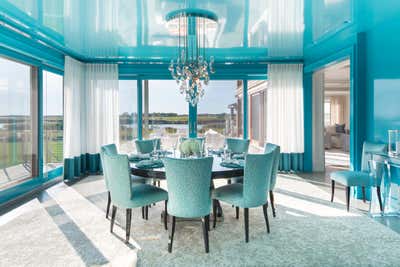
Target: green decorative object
{"points": [[190, 147]]}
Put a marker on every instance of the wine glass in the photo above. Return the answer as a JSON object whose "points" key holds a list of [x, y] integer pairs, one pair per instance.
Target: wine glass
{"points": [[155, 143]]}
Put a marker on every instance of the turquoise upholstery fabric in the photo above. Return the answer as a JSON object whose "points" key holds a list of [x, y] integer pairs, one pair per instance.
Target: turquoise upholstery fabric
{"points": [[123, 192], [276, 150], [237, 145], [352, 178], [147, 146], [110, 149], [256, 182], [188, 182], [363, 177]]}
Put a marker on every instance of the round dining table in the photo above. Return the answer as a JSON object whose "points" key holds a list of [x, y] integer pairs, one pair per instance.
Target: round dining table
{"points": [[218, 171]]}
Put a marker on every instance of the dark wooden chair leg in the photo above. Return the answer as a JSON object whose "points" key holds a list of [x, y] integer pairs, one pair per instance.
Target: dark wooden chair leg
{"points": [[165, 215], [128, 224], [146, 216], [363, 193], [265, 208], [271, 198], [333, 190], [108, 204], [237, 213], [171, 234], [143, 212], [348, 197], [246, 224], [378, 192], [214, 212], [205, 223], [219, 209], [113, 213]]}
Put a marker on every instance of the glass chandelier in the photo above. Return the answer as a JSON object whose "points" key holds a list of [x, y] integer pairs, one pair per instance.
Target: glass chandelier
{"points": [[190, 69]]}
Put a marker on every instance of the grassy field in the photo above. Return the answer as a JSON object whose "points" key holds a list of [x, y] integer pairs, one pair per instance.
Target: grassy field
{"points": [[14, 153]]}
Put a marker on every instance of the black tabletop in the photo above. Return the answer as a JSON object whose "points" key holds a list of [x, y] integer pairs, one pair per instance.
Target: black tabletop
{"points": [[218, 172]]}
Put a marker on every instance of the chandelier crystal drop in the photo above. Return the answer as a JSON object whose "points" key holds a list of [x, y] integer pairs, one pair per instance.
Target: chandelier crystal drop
{"points": [[190, 69]]}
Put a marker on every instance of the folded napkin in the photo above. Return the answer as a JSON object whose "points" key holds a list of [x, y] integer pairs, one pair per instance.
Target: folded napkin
{"points": [[238, 156], [232, 163], [164, 152], [217, 152], [150, 164], [138, 157]]}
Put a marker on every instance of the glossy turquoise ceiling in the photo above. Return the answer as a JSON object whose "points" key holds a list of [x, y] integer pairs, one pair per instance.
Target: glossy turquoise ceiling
{"points": [[136, 29]]}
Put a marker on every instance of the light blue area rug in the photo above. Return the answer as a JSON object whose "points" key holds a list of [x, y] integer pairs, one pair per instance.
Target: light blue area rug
{"points": [[308, 231]]}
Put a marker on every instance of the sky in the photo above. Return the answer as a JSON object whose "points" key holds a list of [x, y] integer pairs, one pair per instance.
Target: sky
{"points": [[164, 95]]}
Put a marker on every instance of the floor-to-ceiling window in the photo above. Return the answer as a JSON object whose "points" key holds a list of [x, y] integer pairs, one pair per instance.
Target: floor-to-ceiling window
{"points": [[220, 112], [257, 108], [127, 115], [53, 120], [18, 122], [165, 112]]}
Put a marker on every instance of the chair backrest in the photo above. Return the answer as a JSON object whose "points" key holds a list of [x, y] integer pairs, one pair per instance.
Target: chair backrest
{"points": [[237, 145], [255, 185], [276, 150], [188, 182], [110, 149], [147, 146], [119, 179], [368, 149]]}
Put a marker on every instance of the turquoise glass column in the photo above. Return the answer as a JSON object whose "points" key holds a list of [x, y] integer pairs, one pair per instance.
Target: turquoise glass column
{"points": [[139, 109], [192, 121], [245, 105]]}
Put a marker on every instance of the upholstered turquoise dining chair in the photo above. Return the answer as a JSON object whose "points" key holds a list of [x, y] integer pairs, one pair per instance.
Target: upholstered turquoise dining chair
{"points": [[276, 150], [237, 145], [147, 146], [111, 149], [188, 182], [124, 193], [250, 194], [361, 178]]}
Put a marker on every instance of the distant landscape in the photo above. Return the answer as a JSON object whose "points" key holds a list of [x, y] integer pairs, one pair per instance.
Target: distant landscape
{"points": [[16, 134]]}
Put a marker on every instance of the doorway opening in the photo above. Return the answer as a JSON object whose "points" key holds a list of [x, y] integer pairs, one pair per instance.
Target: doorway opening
{"points": [[337, 115], [331, 94]]}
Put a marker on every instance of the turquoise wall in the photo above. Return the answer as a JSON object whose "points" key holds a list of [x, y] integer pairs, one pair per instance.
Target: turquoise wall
{"points": [[382, 26], [366, 32]]}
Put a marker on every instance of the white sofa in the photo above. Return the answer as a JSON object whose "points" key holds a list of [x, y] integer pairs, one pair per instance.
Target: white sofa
{"points": [[332, 139]]}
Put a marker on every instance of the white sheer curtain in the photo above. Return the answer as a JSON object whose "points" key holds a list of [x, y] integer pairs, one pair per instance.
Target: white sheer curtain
{"points": [[102, 106], [285, 27], [91, 107], [285, 115], [74, 108]]}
